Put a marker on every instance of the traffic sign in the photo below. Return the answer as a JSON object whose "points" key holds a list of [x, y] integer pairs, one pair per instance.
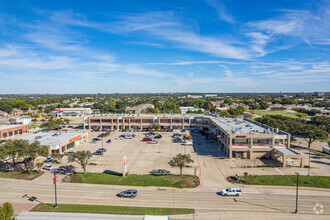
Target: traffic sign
{"points": [[55, 180]]}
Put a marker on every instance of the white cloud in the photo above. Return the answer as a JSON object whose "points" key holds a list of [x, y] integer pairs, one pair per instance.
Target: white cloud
{"points": [[221, 10]]}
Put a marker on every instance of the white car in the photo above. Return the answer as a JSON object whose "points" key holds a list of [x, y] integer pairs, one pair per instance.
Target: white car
{"points": [[48, 167], [119, 138], [152, 142], [188, 143], [231, 192]]}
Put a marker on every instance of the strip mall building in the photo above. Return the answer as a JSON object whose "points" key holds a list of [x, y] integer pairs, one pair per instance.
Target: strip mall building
{"points": [[237, 137]]}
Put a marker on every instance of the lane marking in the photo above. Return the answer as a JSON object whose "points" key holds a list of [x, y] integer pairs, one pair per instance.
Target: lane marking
{"points": [[144, 154], [279, 171], [200, 172]]}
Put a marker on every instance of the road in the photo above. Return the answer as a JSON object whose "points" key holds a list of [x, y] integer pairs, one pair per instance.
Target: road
{"points": [[259, 199]]}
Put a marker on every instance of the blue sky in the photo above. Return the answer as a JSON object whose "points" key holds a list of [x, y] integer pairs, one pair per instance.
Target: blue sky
{"points": [[130, 46]]}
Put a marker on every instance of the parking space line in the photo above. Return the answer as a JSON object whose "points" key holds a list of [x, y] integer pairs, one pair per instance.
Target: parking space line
{"points": [[144, 154], [279, 171]]}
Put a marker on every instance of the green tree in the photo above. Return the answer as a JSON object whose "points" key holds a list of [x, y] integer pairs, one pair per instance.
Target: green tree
{"points": [[39, 165], [10, 148], [67, 121], [52, 124], [6, 211], [29, 152], [157, 111], [81, 157], [310, 133], [302, 115], [181, 160]]}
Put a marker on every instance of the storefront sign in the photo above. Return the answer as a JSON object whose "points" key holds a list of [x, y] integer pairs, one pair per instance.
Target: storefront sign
{"points": [[76, 138]]}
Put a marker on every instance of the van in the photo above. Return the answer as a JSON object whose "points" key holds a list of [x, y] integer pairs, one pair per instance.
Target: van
{"points": [[326, 150]]}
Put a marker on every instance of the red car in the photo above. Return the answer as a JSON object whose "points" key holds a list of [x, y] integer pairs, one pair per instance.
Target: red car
{"points": [[147, 139]]}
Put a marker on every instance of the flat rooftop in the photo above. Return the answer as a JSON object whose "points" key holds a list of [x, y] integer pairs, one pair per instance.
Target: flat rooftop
{"points": [[142, 115], [5, 127], [286, 151], [241, 126], [51, 138]]}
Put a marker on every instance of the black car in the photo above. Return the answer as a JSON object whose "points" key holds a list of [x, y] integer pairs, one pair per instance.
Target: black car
{"points": [[158, 136], [128, 193], [98, 152]]}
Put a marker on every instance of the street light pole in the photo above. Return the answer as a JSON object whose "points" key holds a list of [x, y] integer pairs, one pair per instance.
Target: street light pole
{"points": [[55, 180], [297, 194]]}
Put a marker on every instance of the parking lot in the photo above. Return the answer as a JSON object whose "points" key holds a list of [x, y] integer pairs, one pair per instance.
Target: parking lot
{"points": [[142, 157]]}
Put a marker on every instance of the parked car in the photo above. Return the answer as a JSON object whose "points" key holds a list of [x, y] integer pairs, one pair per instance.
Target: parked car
{"points": [[98, 152], [119, 138], [68, 153], [187, 143], [146, 139], [102, 149], [158, 136], [6, 158], [128, 137], [48, 160], [231, 192], [177, 140], [48, 167], [128, 193], [152, 142], [109, 141]]}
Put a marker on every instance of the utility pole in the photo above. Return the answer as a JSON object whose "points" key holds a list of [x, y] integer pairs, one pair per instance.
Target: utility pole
{"points": [[54, 182], [297, 194]]}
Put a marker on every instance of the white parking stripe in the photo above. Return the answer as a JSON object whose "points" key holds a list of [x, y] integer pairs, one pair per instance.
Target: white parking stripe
{"points": [[279, 171]]}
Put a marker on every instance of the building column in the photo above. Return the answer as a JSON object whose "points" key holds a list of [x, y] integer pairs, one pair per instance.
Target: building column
{"points": [[273, 142]]}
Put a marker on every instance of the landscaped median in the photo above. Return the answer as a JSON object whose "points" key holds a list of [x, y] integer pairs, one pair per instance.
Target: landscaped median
{"points": [[184, 181], [284, 180], [20, 175], [103, 209]]}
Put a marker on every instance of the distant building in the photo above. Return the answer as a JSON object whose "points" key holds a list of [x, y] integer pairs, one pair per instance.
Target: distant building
{"points": [[22, 121], [195, 96], [59, 112], [2, 113], [184, 110], [139, 108], [16, 111], [319, 94], [211, 95]]}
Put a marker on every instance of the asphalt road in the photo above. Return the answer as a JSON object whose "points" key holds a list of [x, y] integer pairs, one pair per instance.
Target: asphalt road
{"points": [[258, 199]]}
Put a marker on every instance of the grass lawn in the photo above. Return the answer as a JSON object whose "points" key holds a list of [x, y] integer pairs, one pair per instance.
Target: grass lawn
{"points": [[20, 175], [121, 210], [288, 180], [34, 126], [324, 140], [136, 180], [283, 113]]}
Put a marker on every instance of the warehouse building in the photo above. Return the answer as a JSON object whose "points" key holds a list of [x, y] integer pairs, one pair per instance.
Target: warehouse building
{"points": [[7, 131], [59, 142]]}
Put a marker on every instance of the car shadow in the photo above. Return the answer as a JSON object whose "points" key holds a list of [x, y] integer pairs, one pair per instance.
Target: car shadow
{"points": [[112, 172]]}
